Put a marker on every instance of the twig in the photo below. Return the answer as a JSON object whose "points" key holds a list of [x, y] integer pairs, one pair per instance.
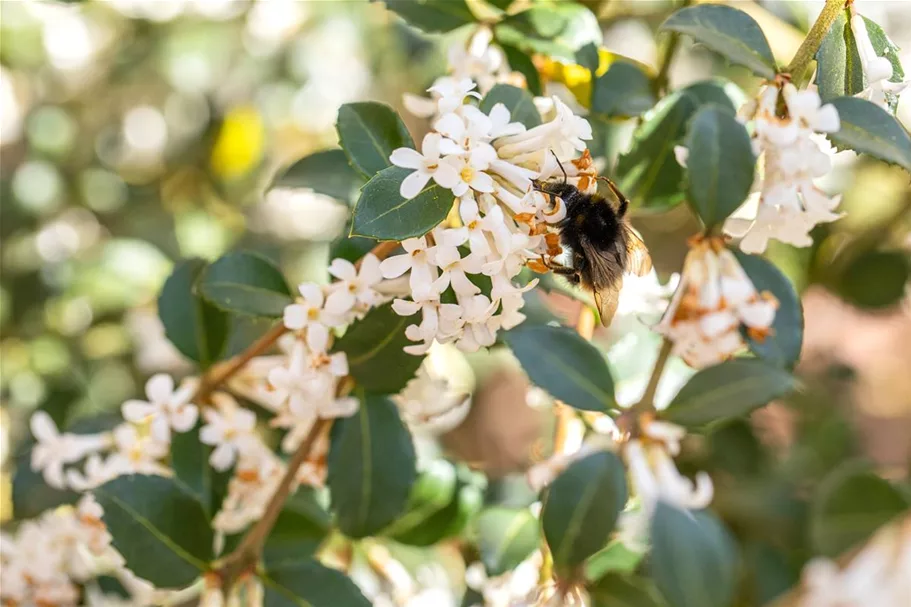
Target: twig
{"points": [[647, 402], [221, 374], [673, 44], [811, 43]]}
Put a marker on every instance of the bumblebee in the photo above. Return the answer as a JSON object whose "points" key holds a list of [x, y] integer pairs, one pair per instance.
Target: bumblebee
{"points": [[602, 243]]}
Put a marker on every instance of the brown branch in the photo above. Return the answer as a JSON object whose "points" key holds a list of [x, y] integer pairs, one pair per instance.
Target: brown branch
{"points": [[812, 42]]}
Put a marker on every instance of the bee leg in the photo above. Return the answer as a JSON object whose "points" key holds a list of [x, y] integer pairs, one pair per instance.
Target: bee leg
{"points": [[560, 164], [624, 201]]}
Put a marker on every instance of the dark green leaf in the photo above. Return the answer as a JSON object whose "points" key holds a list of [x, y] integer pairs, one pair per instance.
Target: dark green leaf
{"points": [[501, 4], [693, 559], [566, 365], [368, 132], [557, 29], [31, 494], [299, 530], [783, 346], [382, 213], [727, 31], [850, 504], [522, 63], [875, 279], [721, 164], [839, 71], [581, 508], [190, 461], [374, 348], [519, 103], [884, 47], [506, 537], [434, 489], [615, 590], [197, 328], [588, 57], [310, 584], [433, 15], [246, 283], [867, 128], [450, 521], [731, 389], [326, 172], [244, 331], [615, 558], [159, 527], [623, 91], [371, 468]]}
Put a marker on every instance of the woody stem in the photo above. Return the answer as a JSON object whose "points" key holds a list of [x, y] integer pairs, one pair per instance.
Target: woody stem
{"points": [[807, 51]]}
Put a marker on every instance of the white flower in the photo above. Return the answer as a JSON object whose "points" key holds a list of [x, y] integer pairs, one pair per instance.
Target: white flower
{"points": [[166, 408], [355, 287], [878, 71], [470, 174], [426, 166], [455, 267], [544, 473], [53, 449], [451, 93], [228, 428], [430, 404], [714, 299], [480, 329], [512, 589], [439, 321], [136, 453], [316, 314], [415, 259]]}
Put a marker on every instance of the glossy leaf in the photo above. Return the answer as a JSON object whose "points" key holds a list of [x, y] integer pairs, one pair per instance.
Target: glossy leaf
{"points": [[519, 103], [588, 57], [868, 129], [553, 29], [720, 166], [246, 283], [615, 590], [727, 31], [728, 390], [558, 360], [368, 132], [506, 537], [783, 346], [371, 468], [623, 91], [375, 355], [615, 558], [850, 504], [693, 559], [519, 61], [433, 15], [190, 462], [307, 583], [299, 530], [197, 328], [382, 213], [159, 527], [884, 47], [326, 172], [581, 508], [875, 279], [434, 489], [838, 68]]}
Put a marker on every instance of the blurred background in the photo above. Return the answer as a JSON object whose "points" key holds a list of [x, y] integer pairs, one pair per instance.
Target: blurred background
{"points": [[138, 132]]}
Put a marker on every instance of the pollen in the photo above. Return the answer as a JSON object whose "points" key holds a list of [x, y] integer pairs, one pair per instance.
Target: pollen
{"points": [[467, 174], [313, 313]]}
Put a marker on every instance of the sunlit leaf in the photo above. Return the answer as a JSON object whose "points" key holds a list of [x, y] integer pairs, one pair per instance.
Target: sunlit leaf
{"points": [[246, 283], [326, 172], [839, 71], [506, 537], [557, 29], [433, 15], [368, 132], [868, 129], [382, 213]]}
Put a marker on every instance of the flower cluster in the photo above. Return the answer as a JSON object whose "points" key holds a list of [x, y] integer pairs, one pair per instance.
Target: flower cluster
{"points": [[714, 300], [47, 558], [882, 86], [787, 127], [489, 164]]}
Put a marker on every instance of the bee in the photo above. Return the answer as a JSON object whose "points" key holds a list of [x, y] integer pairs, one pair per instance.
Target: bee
{"points": [[602, 243]]}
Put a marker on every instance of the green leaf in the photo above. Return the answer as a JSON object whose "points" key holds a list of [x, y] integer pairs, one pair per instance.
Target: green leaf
{"points": [[310, 584], [31, 495], [588, 57], [581, 508], [374, 348], [566, 365], [382, 213], [557, 29], [867, 128], [522, 63], [447, 522], [371, 468], [884, 47], [728, 390], [433, 15], [190, 461], [850, 504], [197, 328], [838, 67], [875, 279], [727, 31], [519, 103], [615, 558], [434, 489], [615, 590], [720, 166], [623, 91], [299, 530], [159, 527], [368, 132], [783, 346], [326, 172], [693, 558], [506, 537], [246, 283]]}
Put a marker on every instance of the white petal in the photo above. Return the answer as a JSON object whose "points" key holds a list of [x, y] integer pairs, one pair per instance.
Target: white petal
{"points": [[422, 107], [222, 457], [414, 183], [395, 266], [161, 429], [137, 411], [43, 426], [449, 147], [827, 119], [342, 269], [340, 302], [295, 316], [317, 337], [446, 175], [759, 315], [159, 388], [406, 158], [184, 418], [450, 125], [482, 182], [681, 153], [312, 293], [403, 307], [210, 435]]}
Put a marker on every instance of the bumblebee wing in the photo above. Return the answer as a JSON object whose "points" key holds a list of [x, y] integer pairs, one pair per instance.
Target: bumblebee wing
{"points": [[607, 300], [639, 262]]}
